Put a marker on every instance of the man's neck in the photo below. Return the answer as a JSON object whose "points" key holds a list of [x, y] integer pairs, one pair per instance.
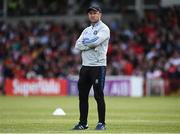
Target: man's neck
{"points": [[95, 23]]}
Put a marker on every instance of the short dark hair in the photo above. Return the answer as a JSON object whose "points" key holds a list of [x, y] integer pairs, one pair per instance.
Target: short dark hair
{"points": [[94, 8]]}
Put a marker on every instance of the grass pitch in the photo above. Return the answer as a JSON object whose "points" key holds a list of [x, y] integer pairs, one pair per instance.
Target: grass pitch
{"points": [[123, 115]]}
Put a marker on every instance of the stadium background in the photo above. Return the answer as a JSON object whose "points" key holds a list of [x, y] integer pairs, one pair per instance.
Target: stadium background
{"points": [[37, 40]]}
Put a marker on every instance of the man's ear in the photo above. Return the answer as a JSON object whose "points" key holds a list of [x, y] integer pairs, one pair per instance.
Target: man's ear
{"points": [[100, 15]]}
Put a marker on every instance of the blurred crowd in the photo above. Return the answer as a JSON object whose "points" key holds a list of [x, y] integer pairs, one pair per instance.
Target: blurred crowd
{"points": [[147, 47], [57, 7]]}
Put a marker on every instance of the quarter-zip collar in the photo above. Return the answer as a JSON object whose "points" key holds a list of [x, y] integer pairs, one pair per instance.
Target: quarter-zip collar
{"points": [[96, 24]]}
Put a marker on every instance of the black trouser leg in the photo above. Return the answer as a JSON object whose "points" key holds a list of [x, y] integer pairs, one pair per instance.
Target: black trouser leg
{"points": [[84, 87], [100, 106], [98, 87]]}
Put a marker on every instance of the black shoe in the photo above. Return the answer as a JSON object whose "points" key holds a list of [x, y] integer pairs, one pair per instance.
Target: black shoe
{"points": [[100, 126], [80, 127]]}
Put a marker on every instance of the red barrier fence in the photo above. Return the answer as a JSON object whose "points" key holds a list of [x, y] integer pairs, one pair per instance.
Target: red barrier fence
{"points": [[162, 87]]}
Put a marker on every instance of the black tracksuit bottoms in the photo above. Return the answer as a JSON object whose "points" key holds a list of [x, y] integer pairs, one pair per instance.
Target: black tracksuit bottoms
{"points": [[91, 76]]}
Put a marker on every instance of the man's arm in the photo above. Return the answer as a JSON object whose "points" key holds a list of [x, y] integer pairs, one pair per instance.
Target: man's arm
{"points": [[98, 39], [79, 44]]}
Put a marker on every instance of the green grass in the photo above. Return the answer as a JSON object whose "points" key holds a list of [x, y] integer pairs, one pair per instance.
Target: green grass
{"points": [[123, 115]]}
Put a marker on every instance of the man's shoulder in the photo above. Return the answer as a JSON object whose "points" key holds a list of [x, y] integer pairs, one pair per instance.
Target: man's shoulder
{"points": [[104, 26], [87, 28]]}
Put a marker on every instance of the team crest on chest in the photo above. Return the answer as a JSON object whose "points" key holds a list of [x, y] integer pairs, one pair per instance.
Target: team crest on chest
{"points": [[95, 32]]}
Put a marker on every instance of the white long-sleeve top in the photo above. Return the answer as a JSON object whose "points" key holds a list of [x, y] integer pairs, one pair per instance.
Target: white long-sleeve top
{"points": [[93, 44]]}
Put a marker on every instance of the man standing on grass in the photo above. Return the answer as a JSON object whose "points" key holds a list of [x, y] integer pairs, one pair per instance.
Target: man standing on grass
{"points": [[93, 44]]}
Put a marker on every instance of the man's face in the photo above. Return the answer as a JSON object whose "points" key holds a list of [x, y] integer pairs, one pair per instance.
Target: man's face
{"points": [[94, 16]]}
